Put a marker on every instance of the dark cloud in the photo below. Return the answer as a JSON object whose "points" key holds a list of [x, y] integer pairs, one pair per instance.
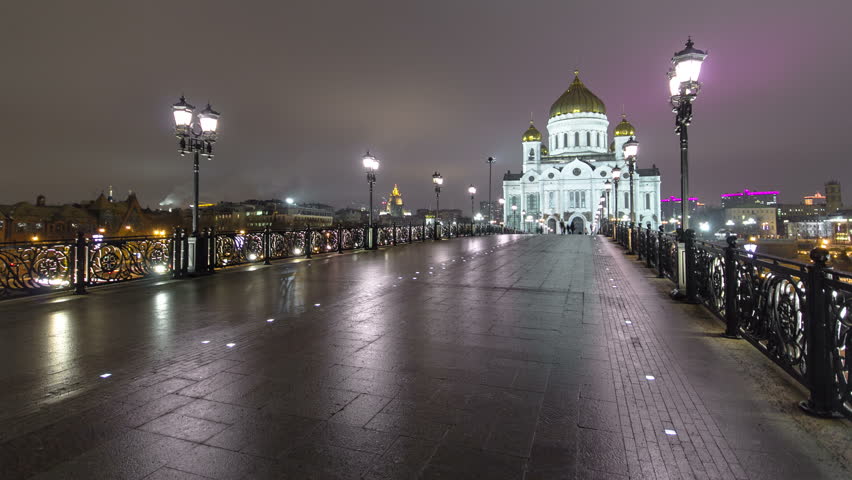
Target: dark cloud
{"points": [[306, 87]]}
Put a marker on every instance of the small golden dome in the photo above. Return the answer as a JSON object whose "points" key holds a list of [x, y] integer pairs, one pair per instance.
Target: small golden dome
{"points": [[577, 99], [544, 150], [624, 128], [532, 134]]}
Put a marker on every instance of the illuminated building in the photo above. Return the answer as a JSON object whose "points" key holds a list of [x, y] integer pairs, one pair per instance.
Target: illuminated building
{"points": [[563, 173]]}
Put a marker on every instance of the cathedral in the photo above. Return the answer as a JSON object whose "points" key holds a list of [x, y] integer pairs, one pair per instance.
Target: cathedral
{"points": [[564, 173]]}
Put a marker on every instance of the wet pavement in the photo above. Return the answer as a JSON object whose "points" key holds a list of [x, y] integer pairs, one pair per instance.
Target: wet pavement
{"points": [[537, 357]]}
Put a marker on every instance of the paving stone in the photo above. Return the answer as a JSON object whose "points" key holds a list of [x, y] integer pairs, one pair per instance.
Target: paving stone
{"points": [[516, 364]]}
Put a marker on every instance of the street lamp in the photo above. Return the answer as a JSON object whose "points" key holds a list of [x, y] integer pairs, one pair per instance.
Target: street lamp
{"points": [[490, 213], [631, 148], [607, 187], [472, 191], [196, 138], [515, 216], [437, 180], [370, 166], [616, 176], [684, 88]]}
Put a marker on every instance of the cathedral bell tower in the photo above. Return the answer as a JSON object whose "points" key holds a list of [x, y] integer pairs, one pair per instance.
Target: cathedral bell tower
{"points": [[532, 148]]}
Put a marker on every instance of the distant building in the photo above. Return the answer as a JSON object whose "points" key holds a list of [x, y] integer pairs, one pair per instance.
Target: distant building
{"points": [[351, 216], [395, 204], [496, 210], [26, 222], [671, 211], [833, 200], [749, 198], [252, 215], [752, 220], [563, 173]]}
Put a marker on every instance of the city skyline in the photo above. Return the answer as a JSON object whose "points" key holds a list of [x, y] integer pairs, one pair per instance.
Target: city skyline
{"points": [[304, 94]]}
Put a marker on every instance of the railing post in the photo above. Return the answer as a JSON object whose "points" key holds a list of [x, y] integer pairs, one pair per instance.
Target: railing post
{"points": [[367, 231], [818, 353], [340, 239], [266, 247], [637, 234], [648, 250], [689, 271], [732, 327], [184, 248], [309, 244], [661, 272], [81, 254], [177, 256], [211, 245], [393, 237], [410, 233]]}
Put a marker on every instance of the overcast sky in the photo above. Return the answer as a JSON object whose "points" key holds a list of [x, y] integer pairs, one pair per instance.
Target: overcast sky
{"points": [[305, 88]]}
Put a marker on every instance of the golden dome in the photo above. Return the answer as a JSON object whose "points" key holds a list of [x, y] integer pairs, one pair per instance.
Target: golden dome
{"points": [[624, 128], [544, 150], [577, 99], [532, 134]]}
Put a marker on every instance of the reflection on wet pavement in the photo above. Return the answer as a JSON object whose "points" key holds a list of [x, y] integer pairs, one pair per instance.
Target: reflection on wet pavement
{"points": [[493, 357]]}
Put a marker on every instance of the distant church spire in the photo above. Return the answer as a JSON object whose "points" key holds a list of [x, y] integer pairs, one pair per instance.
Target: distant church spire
{"points": [[109, 198]]}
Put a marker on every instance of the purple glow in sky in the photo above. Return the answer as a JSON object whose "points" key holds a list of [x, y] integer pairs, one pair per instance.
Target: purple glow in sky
{"points": [[305, 88]]}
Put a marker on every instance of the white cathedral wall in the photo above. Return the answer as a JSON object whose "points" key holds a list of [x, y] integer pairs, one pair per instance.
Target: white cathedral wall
{"points": [[594, 123]]}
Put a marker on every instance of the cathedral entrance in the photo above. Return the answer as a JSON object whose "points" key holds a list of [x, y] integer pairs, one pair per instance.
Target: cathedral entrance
{"points": [[551, 225], [578, 223]]}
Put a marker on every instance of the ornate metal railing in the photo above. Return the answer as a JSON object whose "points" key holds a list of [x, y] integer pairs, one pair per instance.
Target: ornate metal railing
{"points": [[38, 267], [798, 314]]}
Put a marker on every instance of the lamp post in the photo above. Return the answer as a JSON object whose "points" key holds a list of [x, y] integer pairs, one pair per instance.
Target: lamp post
{"points": [[196, 138], [472, 191], [607, 187], [370, 166], [490, 208], [684, 88], [631, 148], [515, 216], [437, 180], [616, 177]]}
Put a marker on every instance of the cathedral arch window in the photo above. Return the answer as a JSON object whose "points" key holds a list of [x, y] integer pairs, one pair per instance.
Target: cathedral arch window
{"points": [[576, 139], [647, 201], [532, 153], [588, 139], [598, 141], [532, 202], [565, 140], [556, 141]]}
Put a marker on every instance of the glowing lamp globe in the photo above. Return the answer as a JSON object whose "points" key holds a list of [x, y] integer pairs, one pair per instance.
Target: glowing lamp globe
{"points": [[616, 173], [437, 179], [182, 112], [209, 120], [471, 190], [631, 148]]}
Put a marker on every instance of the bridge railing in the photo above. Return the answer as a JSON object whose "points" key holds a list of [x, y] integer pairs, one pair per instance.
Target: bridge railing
{"points": [[798, 314], [45, 266]]}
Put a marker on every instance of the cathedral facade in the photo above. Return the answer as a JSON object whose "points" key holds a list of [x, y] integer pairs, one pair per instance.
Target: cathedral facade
{"points": [[563, 173]]}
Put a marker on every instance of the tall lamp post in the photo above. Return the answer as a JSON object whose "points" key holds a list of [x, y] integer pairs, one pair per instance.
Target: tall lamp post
{"points": [[616, 176], [684, 88], [515, 216], [472, 191], [437, 180], [370, 166], [196, 138], [607, 187], [631, 148], [490, 208]]}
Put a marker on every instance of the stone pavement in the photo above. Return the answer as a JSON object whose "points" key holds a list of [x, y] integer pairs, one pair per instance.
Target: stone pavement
{"points": [[532, 357]]}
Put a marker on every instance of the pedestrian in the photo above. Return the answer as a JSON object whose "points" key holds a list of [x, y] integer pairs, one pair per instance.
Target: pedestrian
{"points": [[561, 227]]}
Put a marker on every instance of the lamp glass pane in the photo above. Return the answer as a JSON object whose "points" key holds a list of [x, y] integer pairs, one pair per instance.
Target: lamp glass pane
{"points": [[182, 117], [209, 124]]}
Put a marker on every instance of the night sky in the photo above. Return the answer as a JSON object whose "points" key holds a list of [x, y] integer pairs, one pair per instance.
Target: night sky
{"points": [[306, 87]]}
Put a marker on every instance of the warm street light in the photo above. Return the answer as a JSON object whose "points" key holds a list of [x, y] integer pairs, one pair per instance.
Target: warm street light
{"points": [[472, 191], [631, 148], [370, 166], [684, 88], [290, 201], [198, 139], [437, 180]]}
